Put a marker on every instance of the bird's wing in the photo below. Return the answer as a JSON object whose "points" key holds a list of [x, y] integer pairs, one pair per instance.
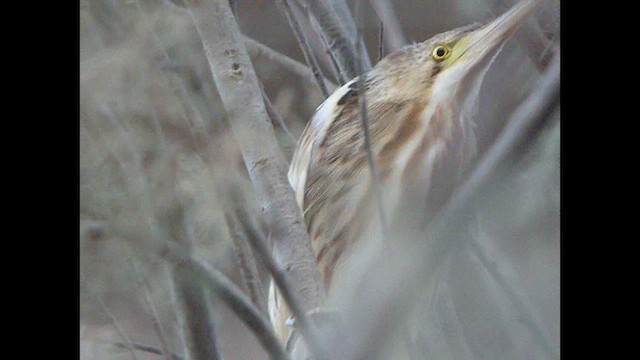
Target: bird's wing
{"points": [[313, 134], [302, 163]]}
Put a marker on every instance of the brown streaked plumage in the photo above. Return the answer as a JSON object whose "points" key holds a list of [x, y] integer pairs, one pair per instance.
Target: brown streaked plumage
{"points": [[420, 115]]}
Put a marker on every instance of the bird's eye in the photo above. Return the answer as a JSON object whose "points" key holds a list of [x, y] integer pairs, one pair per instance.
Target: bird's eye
{"points": [[440, 52]]}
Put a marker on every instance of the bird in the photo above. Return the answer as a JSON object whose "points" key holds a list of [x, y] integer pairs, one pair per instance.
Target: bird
{"points": [[420, 104]]}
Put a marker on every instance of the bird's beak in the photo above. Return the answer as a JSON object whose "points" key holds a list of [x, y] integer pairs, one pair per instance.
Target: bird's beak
{"points": [[480, 43]]}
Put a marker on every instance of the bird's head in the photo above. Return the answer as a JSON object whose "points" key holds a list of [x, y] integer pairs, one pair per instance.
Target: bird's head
{"points": [[451, 63]]}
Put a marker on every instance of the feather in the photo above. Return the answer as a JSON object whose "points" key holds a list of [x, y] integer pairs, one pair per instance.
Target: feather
{"points": [[314, 133]]}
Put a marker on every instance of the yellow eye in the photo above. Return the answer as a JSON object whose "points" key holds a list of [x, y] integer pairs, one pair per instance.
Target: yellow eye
{"points": [[440, 52]]}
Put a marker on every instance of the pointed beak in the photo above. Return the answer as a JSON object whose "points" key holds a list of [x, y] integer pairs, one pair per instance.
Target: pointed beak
{"points": [[479, 43]]}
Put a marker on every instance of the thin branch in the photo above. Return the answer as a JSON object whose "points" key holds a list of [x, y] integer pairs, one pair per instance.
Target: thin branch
{"points": [[246, 263], [241, 96], [337, 37], [551, 49], [303, 321], [275, 117], [193, 299], [256, 48], [234, 7], [527, 315], [173, 299], [450, 321], [198, 315], [344, 16], [337, 71], [223, 288], [470, 275], [394, 36], [304, 46], [362, 100], [335, 68], [443, 331], [381, 42], [155, 318]]}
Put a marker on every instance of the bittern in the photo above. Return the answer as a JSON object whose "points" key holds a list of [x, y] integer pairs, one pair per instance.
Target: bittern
{"points": [[420, 112]]}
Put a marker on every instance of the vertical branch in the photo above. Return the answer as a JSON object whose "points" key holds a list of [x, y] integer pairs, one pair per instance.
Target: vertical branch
{"points": [[155, 319], [443, 331], [193, 299], [362, 100], [529, 320], [304, 46], [212, 280], [381, 42], [351, 29], [258, 243], [242, 98], [247, 264], [196, 309], [276, 119], [454, 328], [234, 7], [173, 298], [338, 39]]}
